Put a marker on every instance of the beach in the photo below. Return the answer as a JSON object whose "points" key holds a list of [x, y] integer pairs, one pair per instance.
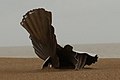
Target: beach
{"points": [[21, 63], [30, 69]]}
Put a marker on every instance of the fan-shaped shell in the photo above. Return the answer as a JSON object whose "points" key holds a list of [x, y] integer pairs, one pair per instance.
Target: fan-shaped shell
{"points": [[38, 24]]}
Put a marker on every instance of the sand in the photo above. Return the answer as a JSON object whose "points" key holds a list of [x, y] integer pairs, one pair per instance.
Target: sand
{"points": [[30, 69]]}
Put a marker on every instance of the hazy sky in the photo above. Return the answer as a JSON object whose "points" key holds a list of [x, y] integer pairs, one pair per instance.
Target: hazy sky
{"points": [[75, 21]]}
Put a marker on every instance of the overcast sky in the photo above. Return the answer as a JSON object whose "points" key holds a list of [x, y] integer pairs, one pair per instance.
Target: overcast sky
{"points": [[75, 21]]}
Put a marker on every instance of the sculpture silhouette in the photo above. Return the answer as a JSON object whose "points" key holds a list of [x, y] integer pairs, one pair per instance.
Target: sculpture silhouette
{"points": [[38, 24]]}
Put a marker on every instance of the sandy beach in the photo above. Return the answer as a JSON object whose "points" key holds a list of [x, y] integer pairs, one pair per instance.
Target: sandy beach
{"points": [[30, 69]]}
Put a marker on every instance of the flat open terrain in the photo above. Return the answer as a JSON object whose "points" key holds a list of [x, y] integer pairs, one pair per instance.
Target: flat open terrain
{"points": [[30, 69]]}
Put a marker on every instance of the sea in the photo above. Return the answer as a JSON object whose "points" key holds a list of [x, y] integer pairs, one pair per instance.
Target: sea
{"points": [[103, 50]]}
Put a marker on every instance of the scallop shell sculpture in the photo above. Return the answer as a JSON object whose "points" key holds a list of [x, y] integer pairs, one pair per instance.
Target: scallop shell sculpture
{"points": [[38, 22]]}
